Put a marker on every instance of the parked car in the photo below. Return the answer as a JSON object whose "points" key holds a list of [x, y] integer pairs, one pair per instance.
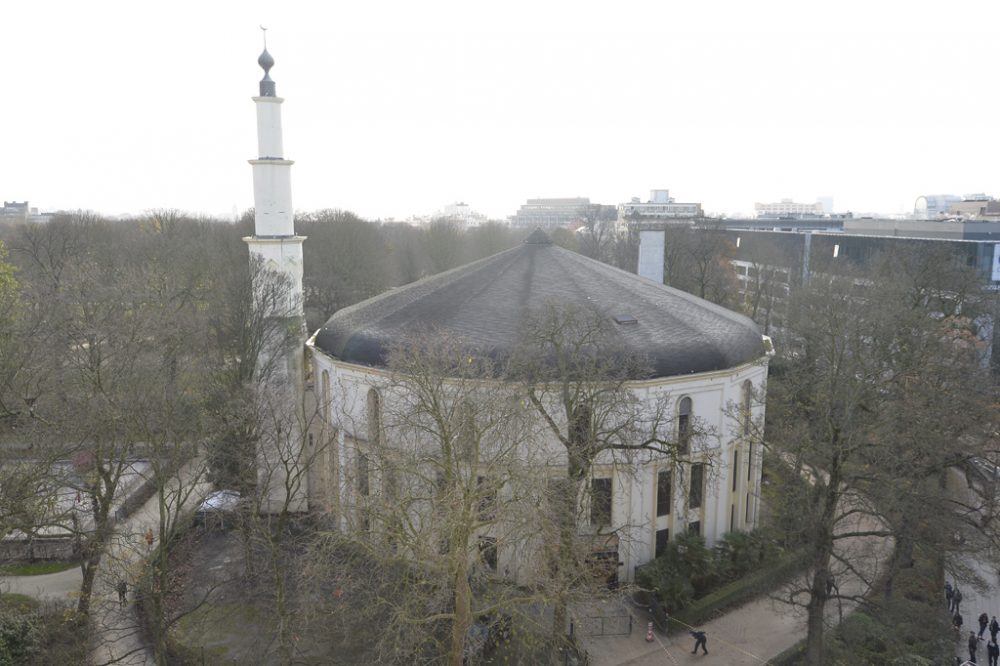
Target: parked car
{"points": [[216, 508]]}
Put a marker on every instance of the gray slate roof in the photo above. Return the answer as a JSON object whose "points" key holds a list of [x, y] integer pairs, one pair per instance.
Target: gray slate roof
{"points": [[486, 302]]}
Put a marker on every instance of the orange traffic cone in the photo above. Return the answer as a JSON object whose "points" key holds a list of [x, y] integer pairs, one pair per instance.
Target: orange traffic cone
{"points": [[649, 632]]}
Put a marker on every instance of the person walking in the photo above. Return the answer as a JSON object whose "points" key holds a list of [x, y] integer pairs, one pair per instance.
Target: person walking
{"points": [[994, 629], [984, 621], [122, 593], [957, 622], [949, 592], [957, 598], [993, 652], [973, 644], [699, 640]]}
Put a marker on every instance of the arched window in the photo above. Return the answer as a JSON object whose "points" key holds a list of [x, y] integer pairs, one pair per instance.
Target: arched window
{"points": [[747, 429], [747, 403], [684, 424], [374, 418], [580, 428], [466, 431], [325, 395]]}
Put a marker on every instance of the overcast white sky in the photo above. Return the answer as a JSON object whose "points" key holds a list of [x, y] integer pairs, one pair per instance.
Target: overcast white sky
{"points": [[398, 108]]}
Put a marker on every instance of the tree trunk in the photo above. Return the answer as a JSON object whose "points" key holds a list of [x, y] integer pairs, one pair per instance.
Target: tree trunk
{"points": [[89, 574], [902, 556], [815, 621], [92, 560], [280, 597], [463, 608], [566, 503], [822, 553]]}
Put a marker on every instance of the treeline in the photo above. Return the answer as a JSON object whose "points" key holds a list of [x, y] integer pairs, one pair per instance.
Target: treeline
{"points": [[347, 259], [138, 340]]}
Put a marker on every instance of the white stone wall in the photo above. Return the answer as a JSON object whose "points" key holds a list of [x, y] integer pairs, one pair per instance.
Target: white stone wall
{"points": [[717, 399]]}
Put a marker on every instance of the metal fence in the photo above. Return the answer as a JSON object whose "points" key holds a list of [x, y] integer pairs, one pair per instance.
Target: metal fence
{"points": [[603, 625]]}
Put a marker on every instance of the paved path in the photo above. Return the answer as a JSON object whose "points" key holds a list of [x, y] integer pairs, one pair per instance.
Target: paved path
{"points": [[116, 627], [751, 634], [62, 586], [975, 600]]}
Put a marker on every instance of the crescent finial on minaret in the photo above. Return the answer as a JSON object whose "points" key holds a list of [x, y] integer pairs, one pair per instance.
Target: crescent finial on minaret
{"points": [[266, 62]]}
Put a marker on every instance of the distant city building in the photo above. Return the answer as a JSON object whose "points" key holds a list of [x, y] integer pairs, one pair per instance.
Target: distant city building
{"points": [[660, 206], [460, 212], [769, 263], [933, 206], [975, 206], [16, 211], [551, 213], [786, 208], [20, 211]]}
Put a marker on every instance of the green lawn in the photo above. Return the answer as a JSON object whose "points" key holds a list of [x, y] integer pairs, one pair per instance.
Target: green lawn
{"points": [[35, 568], [17, 602]]}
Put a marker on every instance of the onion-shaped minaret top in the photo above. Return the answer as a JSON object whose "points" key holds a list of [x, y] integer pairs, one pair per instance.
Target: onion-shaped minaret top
{"points": [[266, 62]]}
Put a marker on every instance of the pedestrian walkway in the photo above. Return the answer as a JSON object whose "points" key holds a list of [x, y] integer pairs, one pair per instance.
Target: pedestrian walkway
{"points": [[975, 599], [116, 628], [117, 634], [753, 633], [63, 586]]}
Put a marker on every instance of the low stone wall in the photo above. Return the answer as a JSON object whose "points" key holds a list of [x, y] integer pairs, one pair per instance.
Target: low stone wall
{"points": [[62, 547], [45, 548]]}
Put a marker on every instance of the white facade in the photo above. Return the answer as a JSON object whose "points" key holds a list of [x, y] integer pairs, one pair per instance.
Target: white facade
{"points": [[652, 246], [281, 476], [274, 238], [718, 401]]}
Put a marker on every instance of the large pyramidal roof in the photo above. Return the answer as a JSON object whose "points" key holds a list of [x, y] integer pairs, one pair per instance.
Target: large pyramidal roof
{"points": [[487, 301]]}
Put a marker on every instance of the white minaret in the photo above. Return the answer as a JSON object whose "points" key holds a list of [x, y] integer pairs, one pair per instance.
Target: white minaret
{"points": [[274, 238], [274, 245]]}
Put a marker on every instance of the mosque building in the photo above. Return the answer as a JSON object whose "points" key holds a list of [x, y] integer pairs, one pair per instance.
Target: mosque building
{"points": [[703, 364]]}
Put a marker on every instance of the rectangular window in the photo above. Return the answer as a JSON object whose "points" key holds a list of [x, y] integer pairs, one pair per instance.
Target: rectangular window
{"points": [[363, 486], [732, 517], [736, 468], [695, 527], [750, 463], [600, 502], [488, 551], [662, 539], [697, 485], [747, 519], [663, 492], [487, 498]]}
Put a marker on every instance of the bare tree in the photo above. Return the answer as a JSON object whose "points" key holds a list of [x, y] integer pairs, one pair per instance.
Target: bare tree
{"points": [[597, 236], [443, 243], [577, 379], [880, 396], [445, 494], [698, 260]]}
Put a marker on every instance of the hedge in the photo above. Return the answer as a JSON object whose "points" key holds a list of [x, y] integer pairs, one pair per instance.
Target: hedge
{"points": [[740, 591]]}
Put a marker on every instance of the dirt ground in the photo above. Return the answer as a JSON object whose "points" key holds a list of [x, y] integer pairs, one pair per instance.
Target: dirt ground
{"points": [[228, 619]]}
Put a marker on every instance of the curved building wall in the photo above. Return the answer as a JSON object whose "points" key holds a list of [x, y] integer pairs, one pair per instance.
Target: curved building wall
{"points": [[730, 496]]}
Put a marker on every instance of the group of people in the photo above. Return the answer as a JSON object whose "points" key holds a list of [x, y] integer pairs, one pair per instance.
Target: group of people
{"points": [[954, 597]]}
